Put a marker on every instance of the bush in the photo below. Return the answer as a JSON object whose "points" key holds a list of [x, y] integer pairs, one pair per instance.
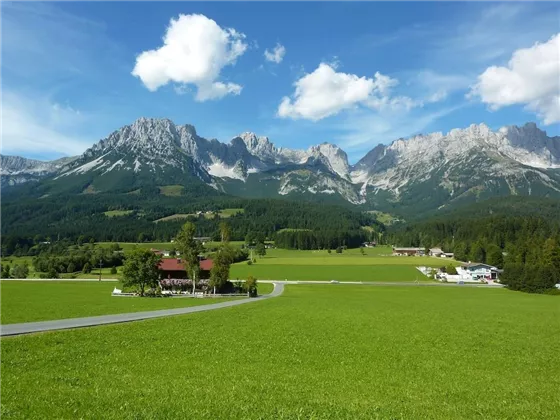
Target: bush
{"points": [[249, 262], [554, 292], [250, 286], [339, 250], [114, 270]]}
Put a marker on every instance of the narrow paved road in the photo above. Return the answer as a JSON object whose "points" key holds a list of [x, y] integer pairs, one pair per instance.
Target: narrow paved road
{"points": [[61, 324], [384, 283]]}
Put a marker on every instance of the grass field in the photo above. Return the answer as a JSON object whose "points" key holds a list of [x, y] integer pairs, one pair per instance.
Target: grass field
{"points": [[327, 272], [376, 265], [171, 190], [28, 301], [321, 352], [224, 214], [117, 213]]}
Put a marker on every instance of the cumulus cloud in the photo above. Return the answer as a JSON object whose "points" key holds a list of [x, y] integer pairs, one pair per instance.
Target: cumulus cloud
{"points": [[326, 92], [194, 52], [276, 55], [531, 78]]}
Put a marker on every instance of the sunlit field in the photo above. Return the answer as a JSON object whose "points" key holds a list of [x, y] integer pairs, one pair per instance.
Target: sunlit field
{"points": [[317, 351], [28, 301]]}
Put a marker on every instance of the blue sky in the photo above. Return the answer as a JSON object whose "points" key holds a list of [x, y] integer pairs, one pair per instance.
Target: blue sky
{"points": [[353, 74]]}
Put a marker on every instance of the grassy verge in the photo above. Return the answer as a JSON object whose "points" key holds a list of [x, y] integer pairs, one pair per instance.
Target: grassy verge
{"points": [[316, 352]]}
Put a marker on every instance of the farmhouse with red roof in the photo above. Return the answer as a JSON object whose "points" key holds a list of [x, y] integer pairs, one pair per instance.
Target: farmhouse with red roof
{"points": [[174, 268]]}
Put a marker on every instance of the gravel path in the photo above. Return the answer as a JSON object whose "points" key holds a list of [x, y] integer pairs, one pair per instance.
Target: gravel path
{"points": [[61, 324]]}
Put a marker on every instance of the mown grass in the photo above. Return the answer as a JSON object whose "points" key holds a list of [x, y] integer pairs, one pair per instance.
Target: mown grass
{"points": [[321, 352], [117, 213], [327, 272], [28, 301], [171, 190], [174, 217]]}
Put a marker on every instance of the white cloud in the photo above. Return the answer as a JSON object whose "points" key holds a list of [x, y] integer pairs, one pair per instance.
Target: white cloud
{"points": [[195, 50], [276, 55], [531, 78], [37, 126], [326, 92]]}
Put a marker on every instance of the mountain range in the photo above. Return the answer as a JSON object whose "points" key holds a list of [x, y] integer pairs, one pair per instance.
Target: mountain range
{"points": [[423, 172]]}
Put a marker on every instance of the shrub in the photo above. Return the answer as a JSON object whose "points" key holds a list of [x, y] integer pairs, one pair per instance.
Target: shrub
{"points": [[249, 262], [250, 286], [113, 270]]}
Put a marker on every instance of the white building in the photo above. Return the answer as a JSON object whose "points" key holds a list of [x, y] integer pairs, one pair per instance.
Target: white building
{"points": [[479, 271]]}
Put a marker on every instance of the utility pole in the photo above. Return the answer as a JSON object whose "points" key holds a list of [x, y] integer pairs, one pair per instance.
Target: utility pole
{"points": [[100, 265]]}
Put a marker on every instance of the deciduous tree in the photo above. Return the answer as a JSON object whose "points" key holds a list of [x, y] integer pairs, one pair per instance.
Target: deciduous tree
{"points": [[189, 248], [260, 249], [141, 269]]}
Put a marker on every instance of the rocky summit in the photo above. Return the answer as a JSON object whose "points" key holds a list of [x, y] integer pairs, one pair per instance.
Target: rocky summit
{"points": [[428, 171]]}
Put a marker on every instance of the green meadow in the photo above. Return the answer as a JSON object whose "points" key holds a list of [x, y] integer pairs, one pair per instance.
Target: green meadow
{"points": [[117, 213], [376, 264], [327, 272], [316, 352], [28, 301]]}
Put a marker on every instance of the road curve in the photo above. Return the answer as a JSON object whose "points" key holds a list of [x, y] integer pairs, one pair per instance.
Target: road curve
{"points": [[61, 324]]}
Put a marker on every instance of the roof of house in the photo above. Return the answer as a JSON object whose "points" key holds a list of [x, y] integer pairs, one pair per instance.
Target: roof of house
{"points": [[469, 265], [436, 250], [176, 264]]}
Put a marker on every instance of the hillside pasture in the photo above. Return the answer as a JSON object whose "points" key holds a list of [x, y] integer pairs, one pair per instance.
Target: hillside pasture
{"points": [[117, 213]]}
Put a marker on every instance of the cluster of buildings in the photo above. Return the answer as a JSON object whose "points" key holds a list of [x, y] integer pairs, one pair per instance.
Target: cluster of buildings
{"points": [[467, 273], [419, 252], [369, 244]]}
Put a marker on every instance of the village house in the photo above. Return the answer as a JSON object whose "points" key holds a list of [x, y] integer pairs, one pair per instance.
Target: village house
{"points": [[436, 252], [174, 268], [369, 244], [479, 271], [408, 251]]}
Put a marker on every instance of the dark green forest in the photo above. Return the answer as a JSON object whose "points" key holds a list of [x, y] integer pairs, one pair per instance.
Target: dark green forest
{"points": [[28, 222]]}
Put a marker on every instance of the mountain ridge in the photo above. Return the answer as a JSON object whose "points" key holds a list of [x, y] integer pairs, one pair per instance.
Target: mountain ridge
{"points": [[471, 161]]}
